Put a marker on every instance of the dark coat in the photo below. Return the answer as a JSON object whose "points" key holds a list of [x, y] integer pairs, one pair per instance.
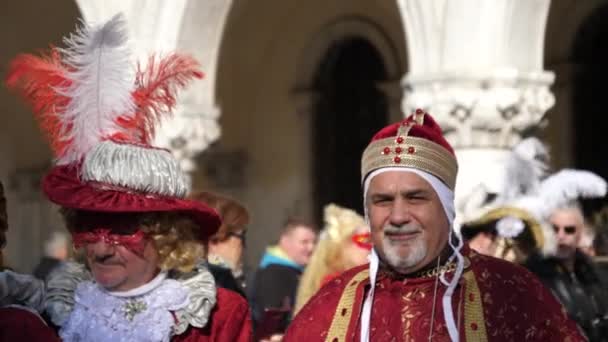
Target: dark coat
{"points": [[584, 292]]}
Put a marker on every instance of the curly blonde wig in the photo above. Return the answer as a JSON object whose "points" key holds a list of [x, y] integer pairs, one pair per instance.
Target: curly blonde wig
{"points": [[174, 234], [328, 257]]}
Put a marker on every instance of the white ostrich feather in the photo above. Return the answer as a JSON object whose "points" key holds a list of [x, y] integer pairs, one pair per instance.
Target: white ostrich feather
{"points": [[524, 170], [102, 78], [562, 188]]}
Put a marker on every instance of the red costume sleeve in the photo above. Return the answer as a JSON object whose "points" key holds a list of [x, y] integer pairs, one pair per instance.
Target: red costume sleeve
{"points": [[230, 321], [22, 325]]}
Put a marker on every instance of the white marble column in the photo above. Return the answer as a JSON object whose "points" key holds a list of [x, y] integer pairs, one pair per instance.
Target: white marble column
{"points": [[477, 67], [189, 26]]}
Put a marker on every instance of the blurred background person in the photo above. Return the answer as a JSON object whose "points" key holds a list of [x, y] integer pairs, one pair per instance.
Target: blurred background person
{"points": [[508, 233], [18, 322], [344, 243], [573, 276], [275, 283], [226, 247], [56, 251]]}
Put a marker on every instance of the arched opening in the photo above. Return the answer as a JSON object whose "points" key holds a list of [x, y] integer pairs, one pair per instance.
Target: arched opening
{"points": [[348, 110], [589, 100]]}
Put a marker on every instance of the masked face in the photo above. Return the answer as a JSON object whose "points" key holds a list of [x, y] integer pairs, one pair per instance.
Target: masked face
{"points": [[118, 268], [568, 226], [408, 224], [120, 255]]}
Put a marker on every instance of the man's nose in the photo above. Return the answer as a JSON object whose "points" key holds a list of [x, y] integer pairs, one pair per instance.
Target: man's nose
{"points": [[102, 248], [400, 213]]}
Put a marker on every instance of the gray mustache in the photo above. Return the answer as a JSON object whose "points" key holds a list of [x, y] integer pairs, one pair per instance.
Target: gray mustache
{"points": [[405, 229]]}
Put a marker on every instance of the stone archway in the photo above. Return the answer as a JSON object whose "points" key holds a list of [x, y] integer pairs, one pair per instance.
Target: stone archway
{"points": [[348, 110], [349, 76], [589, 101]]}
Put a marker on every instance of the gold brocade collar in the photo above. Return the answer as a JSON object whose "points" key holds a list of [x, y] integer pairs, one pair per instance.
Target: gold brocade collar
{"points": [[426, 273]]}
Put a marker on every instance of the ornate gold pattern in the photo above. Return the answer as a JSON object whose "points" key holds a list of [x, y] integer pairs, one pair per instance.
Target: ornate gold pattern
{"points": [[426, 156], [344, 310], [474, 322], [411, 311]]}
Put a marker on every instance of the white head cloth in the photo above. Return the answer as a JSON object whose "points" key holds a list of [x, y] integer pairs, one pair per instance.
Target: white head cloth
{"points": [[446, 196]]}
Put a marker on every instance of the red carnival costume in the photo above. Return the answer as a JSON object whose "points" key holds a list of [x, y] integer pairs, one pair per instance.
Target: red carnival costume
{"points": [[120, 192], [469, 297]]}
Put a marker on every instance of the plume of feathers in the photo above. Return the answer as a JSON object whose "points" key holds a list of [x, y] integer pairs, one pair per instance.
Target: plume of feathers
{"points": [[562, 188], [525, 169], [89, 92], [156, 94], [98, 60]]}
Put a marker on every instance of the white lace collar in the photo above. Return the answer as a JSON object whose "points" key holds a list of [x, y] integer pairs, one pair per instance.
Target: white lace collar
{"points": [[62, 283], [99, 316]]}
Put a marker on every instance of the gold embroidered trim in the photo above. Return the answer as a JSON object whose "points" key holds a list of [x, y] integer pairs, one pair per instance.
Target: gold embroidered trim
{"points": [[344, 310], [413, 152], [474, 322]]}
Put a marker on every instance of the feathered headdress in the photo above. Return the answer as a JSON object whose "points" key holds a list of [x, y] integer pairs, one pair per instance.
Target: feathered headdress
{"points": [[99, 112], [88, 92], [528, 198]]}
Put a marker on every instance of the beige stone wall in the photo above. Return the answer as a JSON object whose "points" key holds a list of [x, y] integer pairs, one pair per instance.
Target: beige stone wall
{"points": [[27, 26]]}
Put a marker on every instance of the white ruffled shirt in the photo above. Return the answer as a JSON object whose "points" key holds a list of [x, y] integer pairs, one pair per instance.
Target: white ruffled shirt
{"points": [[141, 314]]}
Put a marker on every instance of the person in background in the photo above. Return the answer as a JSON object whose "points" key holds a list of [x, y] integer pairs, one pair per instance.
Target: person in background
{"points": [[18, 322], [226, 247], [55, 252], [344, 243], [276, 280], [573, 276]]}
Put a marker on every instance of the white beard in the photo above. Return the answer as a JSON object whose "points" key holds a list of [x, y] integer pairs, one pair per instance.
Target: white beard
{"points": [[417, 250]]}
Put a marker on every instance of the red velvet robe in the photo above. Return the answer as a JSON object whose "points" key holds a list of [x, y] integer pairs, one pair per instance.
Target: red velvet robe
{"points": [[18, 324], [230, 321], [515, 306]]}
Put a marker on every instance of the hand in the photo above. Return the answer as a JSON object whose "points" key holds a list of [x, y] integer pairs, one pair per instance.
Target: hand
{"points": [[273, 338]]}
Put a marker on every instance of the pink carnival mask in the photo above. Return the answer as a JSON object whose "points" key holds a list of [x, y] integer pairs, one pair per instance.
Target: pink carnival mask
{"points": [[134, 242]]}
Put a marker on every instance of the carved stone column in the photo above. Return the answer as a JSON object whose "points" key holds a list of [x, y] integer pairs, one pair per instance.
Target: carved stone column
{"points": [[193, 27], [477, 66]]}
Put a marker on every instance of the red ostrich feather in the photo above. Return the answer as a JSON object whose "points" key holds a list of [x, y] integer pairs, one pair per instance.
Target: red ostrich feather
{"points": [[39, 80], [156, 92]]}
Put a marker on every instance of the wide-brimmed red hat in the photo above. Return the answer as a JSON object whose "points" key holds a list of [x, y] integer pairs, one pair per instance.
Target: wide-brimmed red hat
{"points": [[415, 142], [100, 117]]}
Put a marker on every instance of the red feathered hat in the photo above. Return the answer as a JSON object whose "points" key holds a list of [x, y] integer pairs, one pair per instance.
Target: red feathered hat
{"points": [[416, 142], [100, 114]]}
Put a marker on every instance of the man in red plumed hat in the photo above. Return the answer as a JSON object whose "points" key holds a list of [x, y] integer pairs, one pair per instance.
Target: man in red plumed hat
{"points": [[422, 283], [123, 200]]}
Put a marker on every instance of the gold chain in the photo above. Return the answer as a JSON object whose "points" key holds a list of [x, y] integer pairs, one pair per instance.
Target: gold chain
{"points": [[435, 271]]}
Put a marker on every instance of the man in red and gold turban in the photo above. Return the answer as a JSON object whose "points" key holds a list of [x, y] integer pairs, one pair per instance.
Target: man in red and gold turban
{"points": [[422, 283]]}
